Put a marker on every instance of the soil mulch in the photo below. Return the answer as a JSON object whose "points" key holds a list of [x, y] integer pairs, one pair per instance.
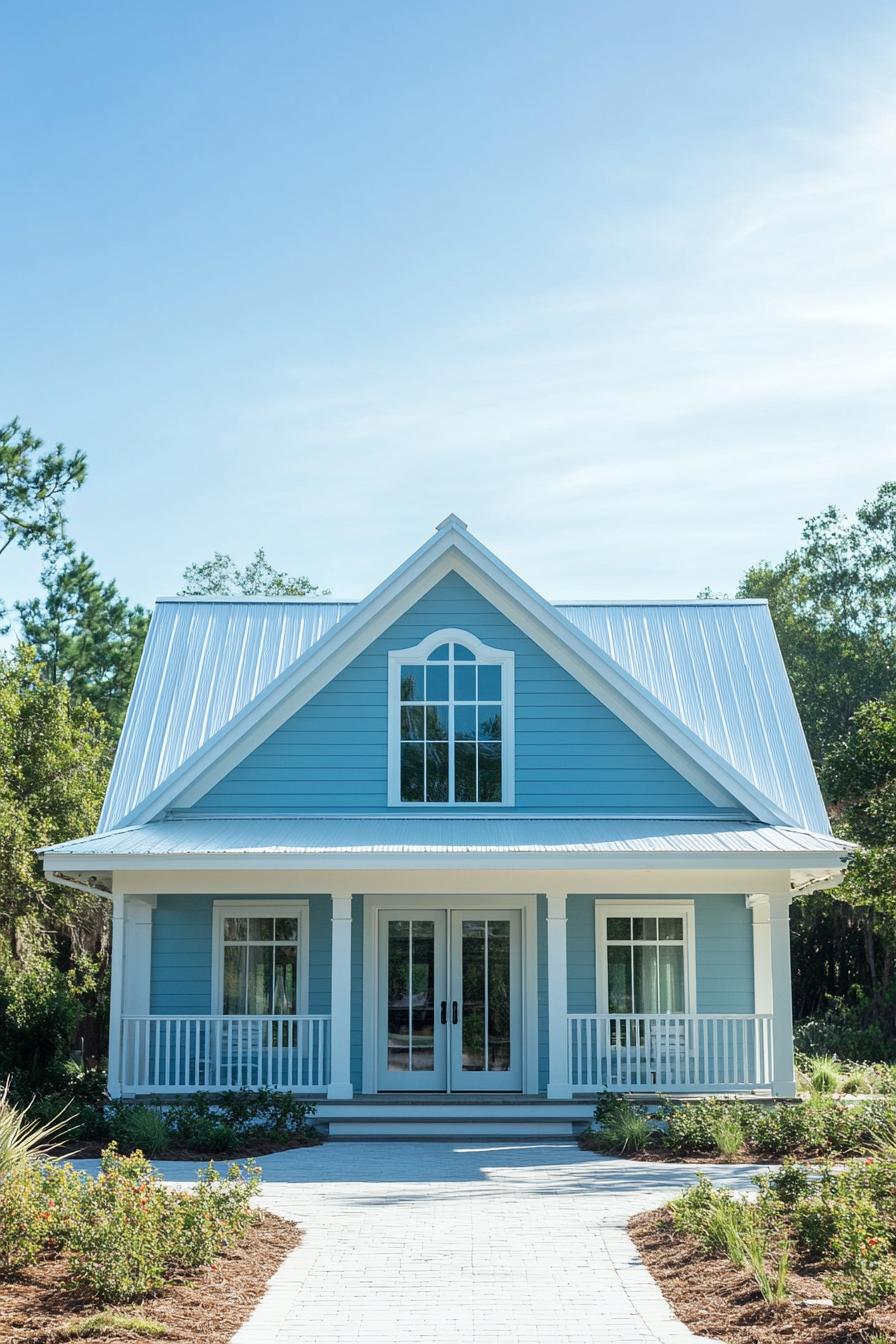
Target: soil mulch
{"points": [[71, 1149], [720, 1301], [204, 1307]]}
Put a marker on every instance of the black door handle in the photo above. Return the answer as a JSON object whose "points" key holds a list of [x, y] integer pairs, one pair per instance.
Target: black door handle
{"points": [[454, 1012], [444, 1014]]}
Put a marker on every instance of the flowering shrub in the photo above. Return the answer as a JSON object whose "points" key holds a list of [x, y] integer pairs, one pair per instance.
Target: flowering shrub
{"points": [[129, 1233], [23, 1221]]}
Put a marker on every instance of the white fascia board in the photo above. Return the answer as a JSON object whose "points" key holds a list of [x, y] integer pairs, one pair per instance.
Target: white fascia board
{"points": [[452, 548]]}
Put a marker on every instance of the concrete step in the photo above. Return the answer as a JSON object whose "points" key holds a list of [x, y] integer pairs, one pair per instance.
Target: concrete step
{"points": [[456, 1128]]}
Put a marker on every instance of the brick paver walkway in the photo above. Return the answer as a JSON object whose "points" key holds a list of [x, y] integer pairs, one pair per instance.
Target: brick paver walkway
{"points": [[412, 1243]]}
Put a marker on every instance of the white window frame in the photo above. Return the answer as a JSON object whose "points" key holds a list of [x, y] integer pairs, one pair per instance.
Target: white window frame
{"points": [[297, 910], [482, 653], [604, 910]]}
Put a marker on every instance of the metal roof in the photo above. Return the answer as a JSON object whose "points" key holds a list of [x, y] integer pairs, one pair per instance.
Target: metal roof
{"points": [[371, 836], [716, 666]]}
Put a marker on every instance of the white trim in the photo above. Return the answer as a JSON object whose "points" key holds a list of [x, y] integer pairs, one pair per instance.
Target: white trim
{"points": [[297, 909], [558, 996], [525, 903], [454, 549], [340, 1086], [604, 910], [484, 654]]}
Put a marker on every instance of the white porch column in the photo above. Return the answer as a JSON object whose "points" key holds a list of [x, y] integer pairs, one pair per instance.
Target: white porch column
{"points": [[340, 1088], [558, 1003], [129, 978], [772, 982], [116, 979]]}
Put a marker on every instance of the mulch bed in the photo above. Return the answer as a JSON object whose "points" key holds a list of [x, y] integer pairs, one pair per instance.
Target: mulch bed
{"points": [[722, 1302], [78, 1148], [206, 1306]]}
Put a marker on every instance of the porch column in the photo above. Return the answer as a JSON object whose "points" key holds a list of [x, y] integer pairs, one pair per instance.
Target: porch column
{"points": [[116, 978], [129, 979], [772, 982], [340, 1088], [558, 1002]]}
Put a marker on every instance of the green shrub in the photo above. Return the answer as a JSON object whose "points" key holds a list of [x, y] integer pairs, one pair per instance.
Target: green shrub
{"points": [[692, 1208], [824, 1075], [788, 1185], [24, 1229], [695, 1126], [38, 1014], [870, 1286], [623, 1128], [858, 1081], [140, 1127], [728, 1135], [213, 1216], [772, 1283], [117, 1249]]}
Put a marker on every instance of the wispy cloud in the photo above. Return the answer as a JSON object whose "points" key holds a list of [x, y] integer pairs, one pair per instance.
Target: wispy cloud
{"points": [[745, 378]]}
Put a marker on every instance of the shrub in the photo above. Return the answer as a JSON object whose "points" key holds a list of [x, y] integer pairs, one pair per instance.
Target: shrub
{"points": [[858, 1081], [624, 1128], [23, 1224], [117, 1247], [694, 1126], [140, 1127], [824, 1074], [788, 1185], [870, 1286], [772, 1284], [728, 1135], [216, 1214], [38, 1013], [130, 1233]]}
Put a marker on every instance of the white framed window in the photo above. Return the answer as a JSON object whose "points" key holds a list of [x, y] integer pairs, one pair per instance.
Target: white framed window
{"points": [[451, 723], [645, 957], [260, 958]]}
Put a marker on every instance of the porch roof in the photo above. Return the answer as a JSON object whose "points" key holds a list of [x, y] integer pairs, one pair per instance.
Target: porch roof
{"points": [[371, 840]]}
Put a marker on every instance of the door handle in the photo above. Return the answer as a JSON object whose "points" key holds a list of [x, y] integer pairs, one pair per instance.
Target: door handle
{"points": [[444, 1013], [454, 1013]]}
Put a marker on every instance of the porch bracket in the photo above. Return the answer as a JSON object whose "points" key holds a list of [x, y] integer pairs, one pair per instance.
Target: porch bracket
{"points": [[340, 1085], [559, 1088]]}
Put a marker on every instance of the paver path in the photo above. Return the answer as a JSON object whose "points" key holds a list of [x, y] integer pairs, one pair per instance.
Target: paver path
{"points": [[474, 1242]]}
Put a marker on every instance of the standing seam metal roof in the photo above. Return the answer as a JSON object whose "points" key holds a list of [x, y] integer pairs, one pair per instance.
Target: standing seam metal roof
{"points": [[715, 665]]}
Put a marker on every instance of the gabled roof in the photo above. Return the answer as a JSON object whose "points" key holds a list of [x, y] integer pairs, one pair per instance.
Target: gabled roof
{"points": [[703, 682]]}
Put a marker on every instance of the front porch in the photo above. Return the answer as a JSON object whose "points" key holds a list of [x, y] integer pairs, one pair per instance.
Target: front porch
{"points": [[411, 990]]}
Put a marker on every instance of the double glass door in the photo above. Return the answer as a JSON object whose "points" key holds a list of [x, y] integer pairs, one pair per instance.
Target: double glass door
{"points": [[449, 1001]]}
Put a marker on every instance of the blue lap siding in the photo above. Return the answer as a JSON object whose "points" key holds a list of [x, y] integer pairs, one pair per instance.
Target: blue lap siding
{"points": [[572, 753]]}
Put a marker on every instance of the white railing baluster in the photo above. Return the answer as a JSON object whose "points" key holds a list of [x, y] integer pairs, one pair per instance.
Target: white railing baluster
{"points": [[669, 1052]]}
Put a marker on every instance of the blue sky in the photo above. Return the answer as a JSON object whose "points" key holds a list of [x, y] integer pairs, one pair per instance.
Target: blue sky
{"points": [[613, 282]]}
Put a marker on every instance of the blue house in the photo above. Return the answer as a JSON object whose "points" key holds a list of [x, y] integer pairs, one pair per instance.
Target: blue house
{"points": [[454, 857]]}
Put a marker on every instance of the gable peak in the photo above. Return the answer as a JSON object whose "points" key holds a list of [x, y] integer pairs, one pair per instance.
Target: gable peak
{"points": [[451, 521]]}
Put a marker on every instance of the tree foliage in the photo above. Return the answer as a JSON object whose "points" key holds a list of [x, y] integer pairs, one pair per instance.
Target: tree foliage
{"points": [[222, 577], [54, 761], [34, 487], [833, 601], [86, 635]]}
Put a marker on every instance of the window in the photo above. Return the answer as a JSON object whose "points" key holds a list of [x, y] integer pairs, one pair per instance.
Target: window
{"points": [[451, 722], [261, 958], [645, 957]]}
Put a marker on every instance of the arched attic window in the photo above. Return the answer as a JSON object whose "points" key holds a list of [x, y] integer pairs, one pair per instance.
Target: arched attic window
{"points": [[451, 722]]}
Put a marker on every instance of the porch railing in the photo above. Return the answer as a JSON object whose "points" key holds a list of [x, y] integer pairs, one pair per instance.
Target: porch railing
{"points": [[693, 1052], [221, 1053]]}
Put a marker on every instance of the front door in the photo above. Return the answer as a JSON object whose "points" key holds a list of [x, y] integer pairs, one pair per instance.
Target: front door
{"points": [[450, 1014]]}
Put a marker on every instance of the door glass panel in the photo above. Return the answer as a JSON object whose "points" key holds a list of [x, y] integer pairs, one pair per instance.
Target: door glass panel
{"points": [[498, 962], [423, 1018], [485, 981], [411, 989], [285, 977], [473, 989]]}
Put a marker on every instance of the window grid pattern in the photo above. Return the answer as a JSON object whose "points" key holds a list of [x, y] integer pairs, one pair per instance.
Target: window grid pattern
{"points": [[646, 964], [451, 730]]}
